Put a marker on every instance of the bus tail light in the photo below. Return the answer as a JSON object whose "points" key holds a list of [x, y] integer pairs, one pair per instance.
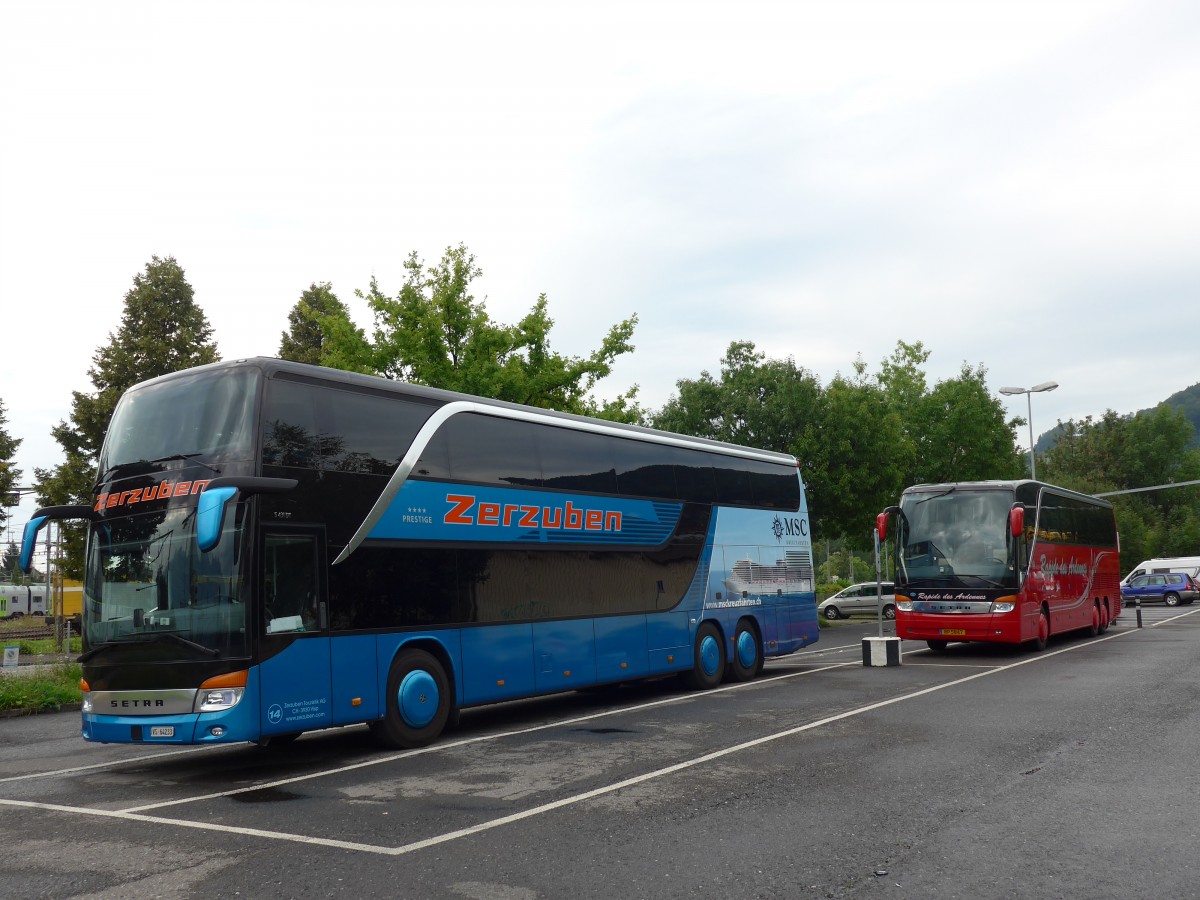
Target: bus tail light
{"points": [[221, 692]]}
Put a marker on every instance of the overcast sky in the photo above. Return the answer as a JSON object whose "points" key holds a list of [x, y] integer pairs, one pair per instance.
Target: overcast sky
{"points": [[1012, 183]]}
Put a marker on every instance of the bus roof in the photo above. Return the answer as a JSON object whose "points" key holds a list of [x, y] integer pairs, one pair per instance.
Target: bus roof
{"points": [[271, 367], [1001, 485]]}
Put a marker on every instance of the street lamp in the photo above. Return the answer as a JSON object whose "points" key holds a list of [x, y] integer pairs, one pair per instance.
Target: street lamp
{"points": [[1036, 389]]}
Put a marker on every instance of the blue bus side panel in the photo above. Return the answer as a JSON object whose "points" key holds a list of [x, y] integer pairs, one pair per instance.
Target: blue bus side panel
{"points": [[497, 663], [669, 640], [621, 648], [296, 687], [355, 678], [564, 655]]}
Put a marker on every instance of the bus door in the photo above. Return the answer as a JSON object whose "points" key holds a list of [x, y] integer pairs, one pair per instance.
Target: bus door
{"points": [[295, 675]]}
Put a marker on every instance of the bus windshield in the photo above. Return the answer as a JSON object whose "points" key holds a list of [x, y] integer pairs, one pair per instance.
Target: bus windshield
{"points": [[146, 580], [206, 414], [957, 536]]}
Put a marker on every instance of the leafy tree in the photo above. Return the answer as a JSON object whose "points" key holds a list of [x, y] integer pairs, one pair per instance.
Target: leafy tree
{"points": [[434, 332], [861, 439], [162, 330], [9, 473], [304, 340], [1127, 453]]}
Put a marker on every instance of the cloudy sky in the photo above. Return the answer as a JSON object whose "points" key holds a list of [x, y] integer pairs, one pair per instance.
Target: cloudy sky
{"points": [[1013, 183]]}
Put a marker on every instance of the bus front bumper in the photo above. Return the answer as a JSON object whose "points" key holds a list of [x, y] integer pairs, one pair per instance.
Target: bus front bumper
{"points": [[1002, 628]]}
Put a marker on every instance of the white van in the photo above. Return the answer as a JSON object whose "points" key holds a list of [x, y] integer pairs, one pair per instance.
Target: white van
{"points": [[1188, 564]]}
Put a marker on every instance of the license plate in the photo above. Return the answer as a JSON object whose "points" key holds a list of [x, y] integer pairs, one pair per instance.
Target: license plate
{"points": [[954, 632], [162, 731]]}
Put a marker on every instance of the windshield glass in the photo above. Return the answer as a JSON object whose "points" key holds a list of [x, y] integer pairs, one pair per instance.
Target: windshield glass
{"points": [[954, 535], [146, 580], [209, 413]]}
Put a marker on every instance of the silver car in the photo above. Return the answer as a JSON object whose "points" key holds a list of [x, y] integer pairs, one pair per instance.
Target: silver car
{"points": [[860, 599]]}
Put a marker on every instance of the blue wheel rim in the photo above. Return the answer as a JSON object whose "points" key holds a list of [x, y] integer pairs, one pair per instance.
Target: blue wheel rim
{"points": [[747, 650], [710, 655], [418, 698]]}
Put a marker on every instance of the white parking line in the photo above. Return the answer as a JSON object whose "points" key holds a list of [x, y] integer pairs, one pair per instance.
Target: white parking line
{"points": [[137, 814]]}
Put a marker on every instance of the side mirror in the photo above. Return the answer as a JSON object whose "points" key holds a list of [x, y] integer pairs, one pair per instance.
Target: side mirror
{"points": [[40, 518], [881, 521], [1016, 521], [210, 512]]}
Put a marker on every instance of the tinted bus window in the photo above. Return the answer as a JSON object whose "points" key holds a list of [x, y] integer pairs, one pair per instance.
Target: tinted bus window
{"points": [[577, 460], [290, 435], [489, 450], [733, 482], [694, 475], [774, 486], [369, 433], [643, 470]]}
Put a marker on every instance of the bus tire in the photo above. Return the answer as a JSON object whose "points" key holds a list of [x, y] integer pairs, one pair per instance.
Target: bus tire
{"points": [[1043, 633], [1103, 617], [745, 661], [937, 646], [418, 701], [1094, 628], [708, 659]]}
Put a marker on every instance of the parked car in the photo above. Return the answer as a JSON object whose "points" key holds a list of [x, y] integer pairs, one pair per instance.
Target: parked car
{"points": [[1173, 588], [860, 599]]}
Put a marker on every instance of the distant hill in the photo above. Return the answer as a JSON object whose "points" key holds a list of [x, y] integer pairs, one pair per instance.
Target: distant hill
{"points": [[1187, 400]]}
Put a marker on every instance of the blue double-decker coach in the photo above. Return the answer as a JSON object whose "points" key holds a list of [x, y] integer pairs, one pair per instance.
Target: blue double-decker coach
{"points": [[275, 548]]}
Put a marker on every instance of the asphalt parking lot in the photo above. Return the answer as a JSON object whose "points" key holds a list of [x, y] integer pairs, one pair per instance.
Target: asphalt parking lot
{"points": [[980, 772]]}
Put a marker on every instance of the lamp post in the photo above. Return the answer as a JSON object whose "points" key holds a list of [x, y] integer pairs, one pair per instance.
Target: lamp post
{"points": [[1036, 389]]}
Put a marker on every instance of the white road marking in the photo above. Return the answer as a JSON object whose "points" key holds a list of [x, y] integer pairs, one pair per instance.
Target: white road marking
{"points": [[134, 814]]}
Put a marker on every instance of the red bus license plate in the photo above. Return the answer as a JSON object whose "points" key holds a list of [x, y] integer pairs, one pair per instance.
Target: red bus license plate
{"points": [[953, 632]]}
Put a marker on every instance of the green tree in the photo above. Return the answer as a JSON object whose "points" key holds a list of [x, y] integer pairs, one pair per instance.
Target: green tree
{"points": [[1128, 453], [304, 340], [9, 473], [162, 330], [435, 332]]}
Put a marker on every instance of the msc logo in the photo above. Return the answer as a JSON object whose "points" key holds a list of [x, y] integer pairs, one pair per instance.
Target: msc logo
{"points": [[793, 526]]}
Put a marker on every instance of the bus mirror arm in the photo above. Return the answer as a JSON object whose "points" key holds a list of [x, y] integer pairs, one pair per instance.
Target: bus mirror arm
{"points": [[210, 515], [40, 518]]}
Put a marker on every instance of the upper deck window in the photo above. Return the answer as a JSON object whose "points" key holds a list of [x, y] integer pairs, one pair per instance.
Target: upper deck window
{"points": [[207, 414]]}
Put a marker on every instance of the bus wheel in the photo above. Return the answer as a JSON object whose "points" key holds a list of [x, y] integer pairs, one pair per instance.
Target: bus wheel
{"points": [[708, 663], [1094, 628], [418, 701], [1043, 632], [937, 646], [746, 660], [1103, 618]]}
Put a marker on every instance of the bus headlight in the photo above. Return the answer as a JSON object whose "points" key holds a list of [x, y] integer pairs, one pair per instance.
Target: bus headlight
{"points": [[221, 693], [218, 699], [1003, 606], [903, 603]]}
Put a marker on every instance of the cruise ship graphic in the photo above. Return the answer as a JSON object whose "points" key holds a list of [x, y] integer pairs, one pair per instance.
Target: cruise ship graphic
{"points": [[790, 575]]}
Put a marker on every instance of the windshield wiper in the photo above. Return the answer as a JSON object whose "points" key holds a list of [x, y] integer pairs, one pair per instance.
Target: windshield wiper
{"points": [[949, 490], [149, 638], [191, 457]]}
